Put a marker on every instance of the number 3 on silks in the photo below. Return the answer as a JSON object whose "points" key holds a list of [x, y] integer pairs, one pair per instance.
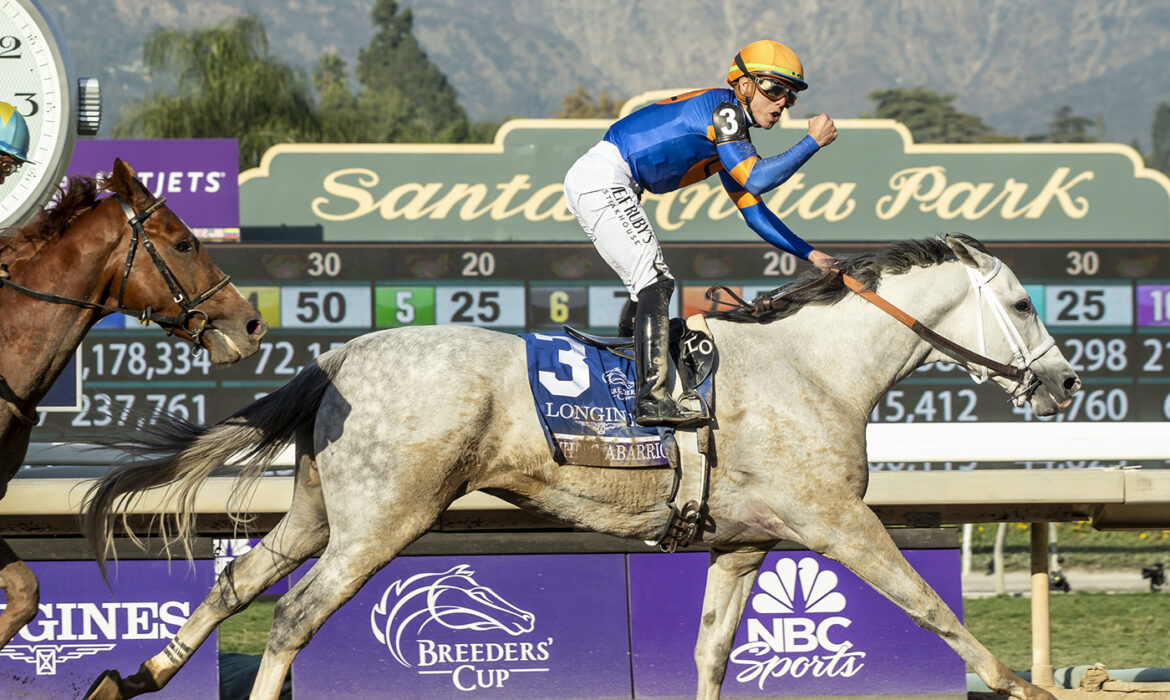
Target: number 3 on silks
{"points": [[574, 359]]}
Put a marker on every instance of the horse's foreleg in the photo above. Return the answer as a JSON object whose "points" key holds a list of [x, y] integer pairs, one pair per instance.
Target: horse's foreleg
{"points": [[730, 574], [854, 536], [21, 592], [302, 532], [346, 564]]}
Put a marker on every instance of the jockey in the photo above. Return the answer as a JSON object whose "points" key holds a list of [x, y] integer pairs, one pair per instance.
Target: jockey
{"points": [[13, 141], [671, 144]]}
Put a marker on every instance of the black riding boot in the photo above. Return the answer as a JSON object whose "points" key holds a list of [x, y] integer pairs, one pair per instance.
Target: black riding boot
{"points": [[626, 322], [653, 405]]}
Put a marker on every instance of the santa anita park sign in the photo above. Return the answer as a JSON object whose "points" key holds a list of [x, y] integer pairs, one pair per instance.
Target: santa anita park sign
{"points": [[873, 184]]}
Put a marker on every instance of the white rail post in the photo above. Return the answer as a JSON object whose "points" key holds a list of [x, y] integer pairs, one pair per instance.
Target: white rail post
{"points": [[997, 558], [965, 566], [1042, 672]]}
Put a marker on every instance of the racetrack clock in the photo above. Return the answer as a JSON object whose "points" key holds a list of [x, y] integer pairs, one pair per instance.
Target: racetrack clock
{"points": [[36, 77]]}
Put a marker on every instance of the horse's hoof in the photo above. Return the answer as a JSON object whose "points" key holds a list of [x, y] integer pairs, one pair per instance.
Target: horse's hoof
{"points": [[106, 687]]}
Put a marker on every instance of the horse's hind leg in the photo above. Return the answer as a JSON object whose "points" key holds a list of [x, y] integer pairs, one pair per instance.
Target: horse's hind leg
{"points": [[302, 532], [730, 575], [344, 567], [854, 536], [21, 592]]}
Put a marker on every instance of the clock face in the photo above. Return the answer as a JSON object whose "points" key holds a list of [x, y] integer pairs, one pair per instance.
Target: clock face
{"points": [[35, 78]]}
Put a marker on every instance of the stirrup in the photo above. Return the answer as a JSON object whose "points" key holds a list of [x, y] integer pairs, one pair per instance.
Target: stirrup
{"points": [[676, 416]]}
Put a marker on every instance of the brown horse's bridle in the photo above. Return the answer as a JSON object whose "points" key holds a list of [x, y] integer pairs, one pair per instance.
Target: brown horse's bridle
{"points": [[187, 303]]}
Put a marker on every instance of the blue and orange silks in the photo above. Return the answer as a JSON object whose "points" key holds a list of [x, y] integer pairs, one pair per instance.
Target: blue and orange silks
{"points": [[676, 142]]}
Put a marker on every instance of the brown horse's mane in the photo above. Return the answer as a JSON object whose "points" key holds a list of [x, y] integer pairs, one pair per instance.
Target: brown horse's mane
{"points": [[77, 197], [867, 268]]}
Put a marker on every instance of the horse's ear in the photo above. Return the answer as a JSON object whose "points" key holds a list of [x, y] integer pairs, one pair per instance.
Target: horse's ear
{"points": [[124, 183], [970, 255]]}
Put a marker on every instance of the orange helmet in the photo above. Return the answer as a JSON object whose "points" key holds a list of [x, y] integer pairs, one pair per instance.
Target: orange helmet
{"points": [[769, 58]]}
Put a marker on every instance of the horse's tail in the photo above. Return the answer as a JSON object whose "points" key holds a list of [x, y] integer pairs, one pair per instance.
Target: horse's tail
{"points": [[180, 455]]}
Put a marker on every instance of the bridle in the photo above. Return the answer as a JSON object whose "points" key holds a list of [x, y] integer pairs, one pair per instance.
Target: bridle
{"points": [[1024, 380], [187, 303]]}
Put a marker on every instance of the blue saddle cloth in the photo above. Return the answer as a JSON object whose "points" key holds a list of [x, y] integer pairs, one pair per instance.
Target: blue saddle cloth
{"points": [[585, 398]]}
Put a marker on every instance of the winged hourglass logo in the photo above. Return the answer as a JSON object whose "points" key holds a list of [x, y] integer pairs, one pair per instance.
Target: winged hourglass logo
{"points": [[46, 656]]}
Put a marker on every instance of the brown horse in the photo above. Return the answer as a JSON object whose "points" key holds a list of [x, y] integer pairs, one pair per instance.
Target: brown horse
{"points": [[74, 263]]}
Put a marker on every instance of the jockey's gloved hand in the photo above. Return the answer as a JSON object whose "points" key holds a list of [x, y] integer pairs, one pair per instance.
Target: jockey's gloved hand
{"points": [[823, 261]]}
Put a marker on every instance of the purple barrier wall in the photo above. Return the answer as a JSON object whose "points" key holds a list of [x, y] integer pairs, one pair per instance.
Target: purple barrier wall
{"points": [[515, 626], [557, 626], [810, 628], [83, 629]]}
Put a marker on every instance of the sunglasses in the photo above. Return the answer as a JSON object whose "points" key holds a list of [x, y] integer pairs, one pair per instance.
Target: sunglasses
{"points": [[774, 89]]}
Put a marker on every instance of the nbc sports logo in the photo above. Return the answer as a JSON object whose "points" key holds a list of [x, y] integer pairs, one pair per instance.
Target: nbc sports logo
{"points": [[795, 629], [798, 587]]}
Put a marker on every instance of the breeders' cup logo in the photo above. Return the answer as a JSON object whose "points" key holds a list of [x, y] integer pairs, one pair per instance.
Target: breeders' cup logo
{"points": [[794, 631], [89, 628], [620, 385], [423, 604]]}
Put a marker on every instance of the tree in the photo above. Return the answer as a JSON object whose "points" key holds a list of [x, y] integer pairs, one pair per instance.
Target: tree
{"points": [[931, 117], [1160, 134], [403, 96], [394, 66], [222, 83], [580, 105], [1065, 127], [361, 118]]}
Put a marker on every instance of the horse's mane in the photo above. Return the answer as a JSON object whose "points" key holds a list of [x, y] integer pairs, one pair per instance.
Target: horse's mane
{"points": [[77, 197], [867, 268]]}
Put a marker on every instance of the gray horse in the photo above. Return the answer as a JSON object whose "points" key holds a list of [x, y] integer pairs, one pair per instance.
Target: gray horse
{"points": [[395, 425]]}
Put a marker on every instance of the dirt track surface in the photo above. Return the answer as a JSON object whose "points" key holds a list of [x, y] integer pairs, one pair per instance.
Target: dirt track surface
{"points": [[1063, 694], [978, 584]]}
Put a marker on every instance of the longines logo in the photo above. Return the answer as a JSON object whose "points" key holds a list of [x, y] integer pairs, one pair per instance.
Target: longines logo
{"points": [[803, 636], [46, 656], [90, 628], [423, 604]]}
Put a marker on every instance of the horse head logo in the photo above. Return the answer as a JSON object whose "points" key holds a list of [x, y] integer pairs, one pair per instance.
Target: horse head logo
{"points": [[620, 386], [451, 599], [798, 587]]}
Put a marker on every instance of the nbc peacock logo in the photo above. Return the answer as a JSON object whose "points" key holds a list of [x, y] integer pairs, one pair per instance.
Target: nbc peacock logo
{"points": [[796, 628]]}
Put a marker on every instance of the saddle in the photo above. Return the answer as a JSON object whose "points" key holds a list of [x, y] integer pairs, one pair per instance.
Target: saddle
{"points": [[692, 353], [689, 451]]}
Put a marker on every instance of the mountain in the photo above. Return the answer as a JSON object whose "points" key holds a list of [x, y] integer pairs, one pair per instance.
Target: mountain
{"points": [[1011, 63]]}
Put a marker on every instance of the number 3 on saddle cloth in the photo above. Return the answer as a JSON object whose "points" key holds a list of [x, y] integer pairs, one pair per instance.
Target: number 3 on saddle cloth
{"points": [[584, 388]]}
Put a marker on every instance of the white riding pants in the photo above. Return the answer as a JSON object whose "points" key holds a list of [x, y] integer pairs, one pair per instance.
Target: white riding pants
{"points": [[602, 194]]}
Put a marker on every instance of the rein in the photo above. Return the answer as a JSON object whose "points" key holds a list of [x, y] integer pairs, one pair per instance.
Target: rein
{"points": [[926, 333], [170, 324], [763, 305]]}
